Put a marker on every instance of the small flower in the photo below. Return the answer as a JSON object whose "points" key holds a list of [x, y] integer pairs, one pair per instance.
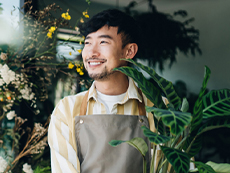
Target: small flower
{"points": [[70, 53], [66, 16], [49, 34], [52, 29], [78, 69], [3, 56], [81, 20], [79, 50], [27, 168], [70, 66], [81, 73], [10, 115], [3, 164], [85, 13]]}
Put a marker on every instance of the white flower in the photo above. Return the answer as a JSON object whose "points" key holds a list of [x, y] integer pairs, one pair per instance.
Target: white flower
{"points": [[10, 115], [3, 164], [1, 82], [27, 93], [3, 56], [7, 74], [27, 168]]}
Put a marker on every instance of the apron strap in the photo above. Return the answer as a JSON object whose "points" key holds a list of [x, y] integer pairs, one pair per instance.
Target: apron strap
{"points": [[84, 104], [141, 105]]}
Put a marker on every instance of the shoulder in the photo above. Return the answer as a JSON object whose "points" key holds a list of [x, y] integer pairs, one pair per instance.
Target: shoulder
{"points": [[69, 106]]}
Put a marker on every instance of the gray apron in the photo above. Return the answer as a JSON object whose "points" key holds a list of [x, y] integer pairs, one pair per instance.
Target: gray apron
{"points": [[93, 133]]}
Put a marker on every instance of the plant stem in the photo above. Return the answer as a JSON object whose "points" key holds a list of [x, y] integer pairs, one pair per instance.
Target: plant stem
{"points": [[153, 160], [144, 165]]}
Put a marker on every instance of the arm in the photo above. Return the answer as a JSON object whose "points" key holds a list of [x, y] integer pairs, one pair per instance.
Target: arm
{"points": [[60, 138]]}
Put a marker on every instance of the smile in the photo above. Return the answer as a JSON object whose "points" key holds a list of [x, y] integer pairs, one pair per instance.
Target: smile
{"points": [[95, 63]]}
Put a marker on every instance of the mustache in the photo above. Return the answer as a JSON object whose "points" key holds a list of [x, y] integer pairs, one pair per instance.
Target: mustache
{"points": [[99, 59]]}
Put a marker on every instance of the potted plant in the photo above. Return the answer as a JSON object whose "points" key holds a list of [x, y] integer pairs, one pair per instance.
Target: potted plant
{"points": [[178, 132]]}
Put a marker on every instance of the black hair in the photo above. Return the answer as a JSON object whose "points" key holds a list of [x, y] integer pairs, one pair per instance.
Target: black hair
{"points": [[127, 25]]}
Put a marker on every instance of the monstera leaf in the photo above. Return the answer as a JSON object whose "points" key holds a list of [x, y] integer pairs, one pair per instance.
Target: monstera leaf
{"points": [[137, 143], [150, 91], [216, 103], [166, 86], [179, 160], [154, 137], [175, 120], [204, 168]]}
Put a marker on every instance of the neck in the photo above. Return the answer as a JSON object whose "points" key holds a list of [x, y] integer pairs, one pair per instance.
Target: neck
{"points": [[115, 85]]}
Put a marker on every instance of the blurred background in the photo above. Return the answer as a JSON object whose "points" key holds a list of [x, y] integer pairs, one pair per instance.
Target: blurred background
{"points": [[180, 38]]}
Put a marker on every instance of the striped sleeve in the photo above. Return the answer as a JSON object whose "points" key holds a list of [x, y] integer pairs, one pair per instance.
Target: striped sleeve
{"points": [[60, 138]]}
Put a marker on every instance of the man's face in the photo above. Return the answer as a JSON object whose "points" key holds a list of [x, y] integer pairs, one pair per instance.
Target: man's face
{"points": [[102, 52]]}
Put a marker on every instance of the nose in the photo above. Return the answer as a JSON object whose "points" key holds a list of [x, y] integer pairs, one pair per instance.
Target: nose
{"points": [[94, 51]]}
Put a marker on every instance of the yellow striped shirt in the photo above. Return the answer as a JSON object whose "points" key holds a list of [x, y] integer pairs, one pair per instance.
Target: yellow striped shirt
{"points": [[61, 133]]}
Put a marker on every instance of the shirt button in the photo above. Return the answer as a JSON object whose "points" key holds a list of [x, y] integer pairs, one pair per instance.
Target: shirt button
{"points": [[141, 120], [81, 121]]}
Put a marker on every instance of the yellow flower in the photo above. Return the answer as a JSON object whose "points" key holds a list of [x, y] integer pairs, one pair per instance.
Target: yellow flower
{"points": [[82, 21], [52, 29], [81, 73], [63, 15], [80, 42], [78, 69], [70, 53], [79, 50], [70, 66], [49, 34], [85, 13], [66, 16]]}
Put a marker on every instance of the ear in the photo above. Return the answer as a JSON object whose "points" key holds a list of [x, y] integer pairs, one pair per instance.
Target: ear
{"points": [[131, 50]]}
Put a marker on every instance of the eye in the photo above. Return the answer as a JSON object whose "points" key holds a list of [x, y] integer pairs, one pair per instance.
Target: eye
{"points": [[102, 42], [86, 42]]}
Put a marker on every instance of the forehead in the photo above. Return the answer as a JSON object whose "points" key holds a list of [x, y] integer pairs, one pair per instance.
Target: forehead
{"points": [[105, 31]]}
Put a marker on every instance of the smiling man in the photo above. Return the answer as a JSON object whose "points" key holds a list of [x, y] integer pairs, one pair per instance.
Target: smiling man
{"points": [[113, 108]]}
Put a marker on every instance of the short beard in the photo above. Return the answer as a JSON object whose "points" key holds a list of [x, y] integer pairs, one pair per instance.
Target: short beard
{"points": [[101, 76]]}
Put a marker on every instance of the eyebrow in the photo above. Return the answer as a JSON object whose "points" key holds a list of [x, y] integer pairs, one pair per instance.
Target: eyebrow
{"points": [[101, 36]]}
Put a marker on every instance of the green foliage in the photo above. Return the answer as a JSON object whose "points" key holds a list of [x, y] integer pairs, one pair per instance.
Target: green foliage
{"points": [[153, 94], [137, 143], [42, 170], [165, 85], [176, 129], [204, 168], [178, 159], [154, 137], [216, 103], [175, 120], [219, 167]]}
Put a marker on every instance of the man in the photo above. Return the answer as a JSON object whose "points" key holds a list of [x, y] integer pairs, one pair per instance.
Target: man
{"points": [[82, 125]]}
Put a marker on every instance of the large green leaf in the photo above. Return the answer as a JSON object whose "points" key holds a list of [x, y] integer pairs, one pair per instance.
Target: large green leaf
{"points": [[197, 110], [197, 119], [214, 123], [150, 91], [137, 143], [154, 137], [219, 167], [165, 85], [178, 159], [203, 168], [196, 145], [216, 103], [175, 120]]}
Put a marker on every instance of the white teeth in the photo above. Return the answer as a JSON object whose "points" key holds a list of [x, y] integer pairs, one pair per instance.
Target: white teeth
{"points": [[94, 63]]}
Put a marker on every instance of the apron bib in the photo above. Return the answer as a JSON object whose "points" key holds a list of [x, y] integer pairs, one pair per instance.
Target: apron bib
{"points": [[93, 133]]}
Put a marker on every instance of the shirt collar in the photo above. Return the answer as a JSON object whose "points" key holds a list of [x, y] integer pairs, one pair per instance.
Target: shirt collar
{"points": [[131, 93]]}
